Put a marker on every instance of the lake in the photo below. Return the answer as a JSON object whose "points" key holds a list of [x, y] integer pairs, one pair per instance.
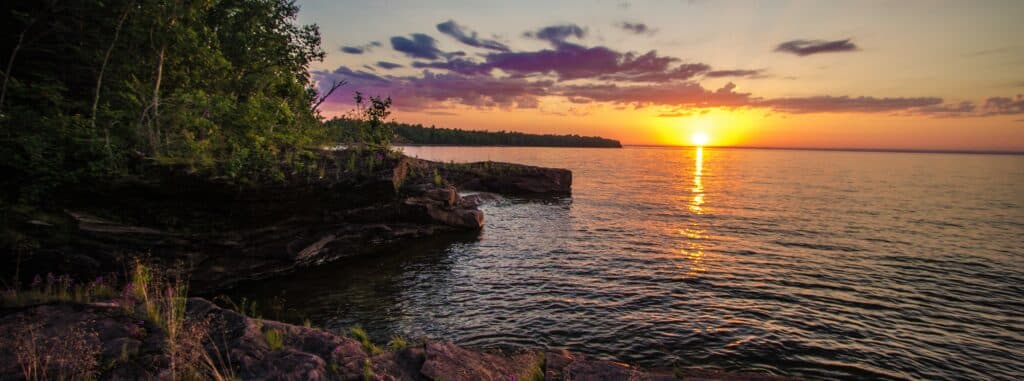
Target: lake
{"points": [[819, 264]]}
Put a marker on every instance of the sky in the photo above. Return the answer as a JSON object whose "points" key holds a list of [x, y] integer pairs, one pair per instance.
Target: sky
{"points": [[929, 75]]}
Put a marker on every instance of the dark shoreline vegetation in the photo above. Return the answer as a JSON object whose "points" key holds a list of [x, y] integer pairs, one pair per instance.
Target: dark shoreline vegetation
{"points": [[152, 150], [417, 134]]}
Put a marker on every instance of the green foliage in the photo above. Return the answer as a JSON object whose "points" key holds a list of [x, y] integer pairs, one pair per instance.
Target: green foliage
{"points": [[275, 339], [94, 88], [437, 177]]}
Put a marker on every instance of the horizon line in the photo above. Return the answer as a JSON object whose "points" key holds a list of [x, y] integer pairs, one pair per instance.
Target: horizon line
{"points": [[844, 149]]}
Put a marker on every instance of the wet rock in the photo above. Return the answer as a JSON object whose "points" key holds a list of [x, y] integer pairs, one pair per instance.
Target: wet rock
{"points": [[480, 198]]}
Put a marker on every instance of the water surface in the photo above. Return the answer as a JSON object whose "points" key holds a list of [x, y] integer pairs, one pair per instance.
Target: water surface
{"points": [[817, 264]]}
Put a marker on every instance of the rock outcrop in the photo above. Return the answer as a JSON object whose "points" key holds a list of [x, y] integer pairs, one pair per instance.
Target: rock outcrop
{"points": [[219, 233], [125, 347], [508, 179]]}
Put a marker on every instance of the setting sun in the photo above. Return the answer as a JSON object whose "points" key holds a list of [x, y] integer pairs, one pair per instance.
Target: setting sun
{"points": [[699, 139]]}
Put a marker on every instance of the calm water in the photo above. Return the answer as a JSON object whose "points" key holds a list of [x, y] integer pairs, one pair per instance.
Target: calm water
{"points": [[818, 264]]}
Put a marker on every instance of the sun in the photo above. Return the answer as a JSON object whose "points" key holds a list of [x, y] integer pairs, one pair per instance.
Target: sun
{"points": [[699, 139]]}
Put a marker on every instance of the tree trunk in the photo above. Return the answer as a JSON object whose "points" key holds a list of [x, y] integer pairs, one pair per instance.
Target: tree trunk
{"points": [[10, 63], [156, 97], [99, 77]]}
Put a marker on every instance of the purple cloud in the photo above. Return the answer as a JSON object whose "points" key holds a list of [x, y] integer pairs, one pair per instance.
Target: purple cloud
{"points": [[636, 27], [571, 61], [431, 89], [456, 65], [682, 94], [808, 47], [469, 37], [556, 34]]}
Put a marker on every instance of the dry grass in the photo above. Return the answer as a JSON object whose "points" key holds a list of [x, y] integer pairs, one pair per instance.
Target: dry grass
{"points": [[70, 356]]}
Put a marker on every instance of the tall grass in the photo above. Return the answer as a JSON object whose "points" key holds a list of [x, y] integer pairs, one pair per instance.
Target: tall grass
{"points": [[60, 288]]}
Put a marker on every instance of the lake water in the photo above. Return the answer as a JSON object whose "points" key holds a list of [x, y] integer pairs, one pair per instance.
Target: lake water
{"points": [[816, 264]]}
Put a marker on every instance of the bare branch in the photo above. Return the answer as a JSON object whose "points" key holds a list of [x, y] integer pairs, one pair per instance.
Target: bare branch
{"points": [[334, 86]]}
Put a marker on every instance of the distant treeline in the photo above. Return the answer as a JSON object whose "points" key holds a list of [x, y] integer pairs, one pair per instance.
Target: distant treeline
{"points": [[419, 134]]}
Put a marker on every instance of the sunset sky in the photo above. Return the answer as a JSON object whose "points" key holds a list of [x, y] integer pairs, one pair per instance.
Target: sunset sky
{"points": [[857, 74]]}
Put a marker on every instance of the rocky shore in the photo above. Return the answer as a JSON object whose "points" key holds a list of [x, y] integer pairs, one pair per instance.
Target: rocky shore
{"points": [[127, 348], [218, 234]]}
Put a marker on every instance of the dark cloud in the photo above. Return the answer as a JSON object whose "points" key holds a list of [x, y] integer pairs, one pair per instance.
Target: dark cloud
{"points": [[388, 65], [362, 76], [965, 108], [636, 27], [827, 103], [556, 34], [457, 65], [735, 73], [1004, 105], [569, 61], [361, 48], [809, 47], [419, 46], [469, 37]]}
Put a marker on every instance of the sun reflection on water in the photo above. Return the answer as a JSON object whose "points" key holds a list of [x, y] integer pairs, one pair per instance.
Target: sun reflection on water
{"points": [[694, 250], [698, 186]]}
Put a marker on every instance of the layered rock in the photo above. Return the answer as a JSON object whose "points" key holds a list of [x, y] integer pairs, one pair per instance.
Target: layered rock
{"points": [[219, 233], [508, 179]]}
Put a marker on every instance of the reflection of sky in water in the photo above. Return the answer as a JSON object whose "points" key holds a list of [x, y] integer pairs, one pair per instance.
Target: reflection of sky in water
{"points": [[822, 264]]}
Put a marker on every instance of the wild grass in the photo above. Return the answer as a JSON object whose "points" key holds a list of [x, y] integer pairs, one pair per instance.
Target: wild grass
{"points": [[364, 340], [397, 343], [147, 295], [274, 338], [535, 372], [368, 374]]}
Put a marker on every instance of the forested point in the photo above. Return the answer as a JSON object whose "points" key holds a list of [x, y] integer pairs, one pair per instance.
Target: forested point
{"points": [[92, 89], [405, 133]]}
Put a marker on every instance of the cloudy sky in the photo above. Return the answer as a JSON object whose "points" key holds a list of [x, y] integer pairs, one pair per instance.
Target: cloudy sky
{"points": [[866, 74]]}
